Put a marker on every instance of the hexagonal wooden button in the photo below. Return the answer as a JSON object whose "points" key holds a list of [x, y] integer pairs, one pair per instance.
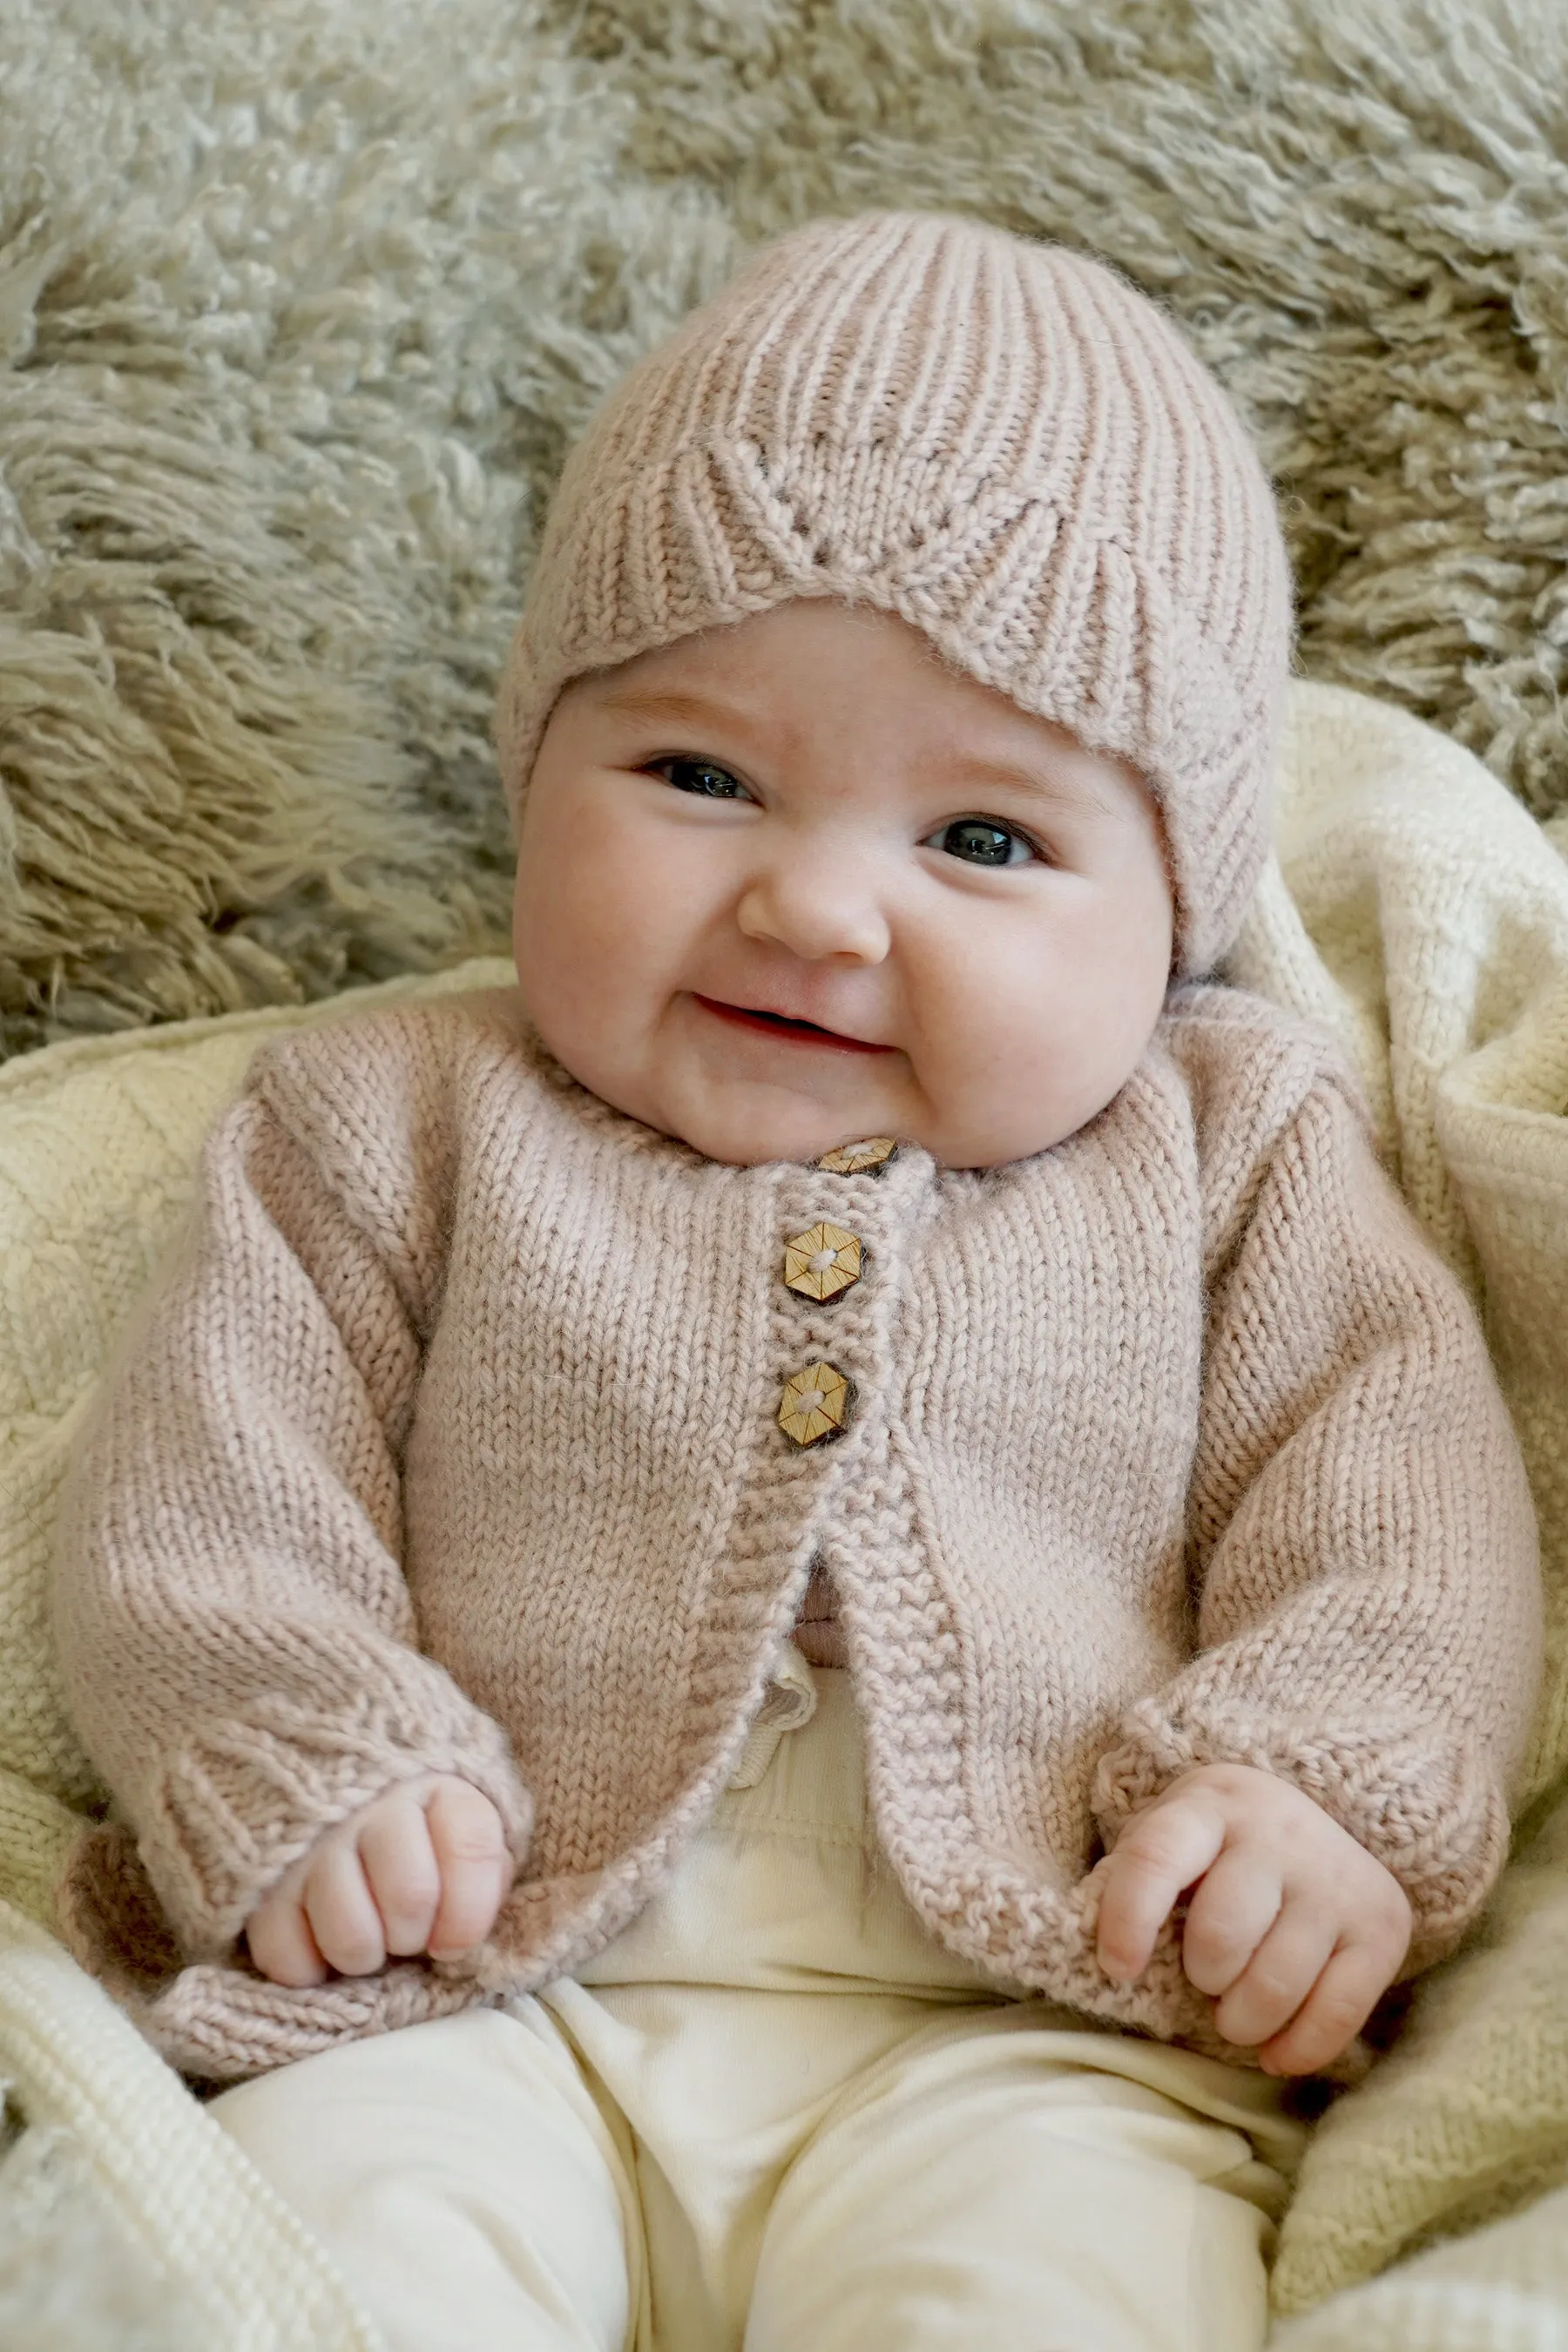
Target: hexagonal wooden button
{"points": [[814, 1404], [822, 1262], [859, 1158]]}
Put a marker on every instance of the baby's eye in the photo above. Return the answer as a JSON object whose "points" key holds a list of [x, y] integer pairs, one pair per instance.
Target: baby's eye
{"points": [[982, 841], [704, 777]]}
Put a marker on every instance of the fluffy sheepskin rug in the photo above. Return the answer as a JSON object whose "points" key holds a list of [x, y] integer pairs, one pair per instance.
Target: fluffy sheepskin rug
{"points": [[300, 304]]}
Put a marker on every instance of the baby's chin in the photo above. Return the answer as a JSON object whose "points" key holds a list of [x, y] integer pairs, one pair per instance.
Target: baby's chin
{"points": [[748, 1133], [746, 1125]]}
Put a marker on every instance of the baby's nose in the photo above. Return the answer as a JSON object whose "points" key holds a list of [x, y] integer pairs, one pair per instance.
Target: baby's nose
{"points": [[818, 904]]}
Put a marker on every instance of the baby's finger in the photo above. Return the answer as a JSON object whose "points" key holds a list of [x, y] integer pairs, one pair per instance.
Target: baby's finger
{"points": [[1330, 2017], [404, 1877], [1233, 1907], [341, 1910], [1277, 1978], [1158, 1853], [475, 1866], [281, 1943]]}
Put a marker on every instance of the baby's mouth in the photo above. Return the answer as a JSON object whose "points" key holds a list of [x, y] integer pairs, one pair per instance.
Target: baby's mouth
{"points": [[783, 1026]]}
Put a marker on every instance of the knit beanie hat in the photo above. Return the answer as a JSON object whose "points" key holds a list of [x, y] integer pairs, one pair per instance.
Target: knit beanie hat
{"points": [[998, 440]]}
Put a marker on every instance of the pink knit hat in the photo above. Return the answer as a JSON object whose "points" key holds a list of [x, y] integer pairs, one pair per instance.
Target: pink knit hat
{"points": [[998, 440]]}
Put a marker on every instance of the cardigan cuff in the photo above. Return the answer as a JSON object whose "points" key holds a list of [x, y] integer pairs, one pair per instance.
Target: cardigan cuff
{"points": [[1425, 1802], [234, 1810]]}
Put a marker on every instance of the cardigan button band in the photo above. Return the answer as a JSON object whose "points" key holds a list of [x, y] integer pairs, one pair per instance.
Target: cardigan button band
{"points": [[822, 1262], [814, 1404], [862, 1158]]}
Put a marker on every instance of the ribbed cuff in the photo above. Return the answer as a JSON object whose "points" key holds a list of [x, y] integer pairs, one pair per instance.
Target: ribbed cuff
{"points": [[235, 1810], [1424, 1804]]}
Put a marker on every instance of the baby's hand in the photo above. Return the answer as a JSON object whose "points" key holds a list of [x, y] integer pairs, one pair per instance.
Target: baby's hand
{"points": [[422, 1869], [1293, 1925]]}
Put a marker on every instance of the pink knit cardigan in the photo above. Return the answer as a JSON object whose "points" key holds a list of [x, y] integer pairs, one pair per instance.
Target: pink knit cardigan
{"points": [[452, 1443]]}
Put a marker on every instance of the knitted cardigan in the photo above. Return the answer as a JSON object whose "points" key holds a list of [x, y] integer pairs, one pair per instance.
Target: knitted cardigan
{"points": [[452, 1443]]}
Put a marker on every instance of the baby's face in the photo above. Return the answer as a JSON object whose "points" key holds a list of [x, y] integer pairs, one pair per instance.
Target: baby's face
{"points": [[795, 881]]}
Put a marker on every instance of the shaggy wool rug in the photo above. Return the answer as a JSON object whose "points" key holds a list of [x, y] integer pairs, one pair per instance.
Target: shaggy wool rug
{"points": [[300, 305]]}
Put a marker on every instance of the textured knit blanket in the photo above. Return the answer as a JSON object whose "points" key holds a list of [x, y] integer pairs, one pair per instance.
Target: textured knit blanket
{"points": [[1419, 912]]}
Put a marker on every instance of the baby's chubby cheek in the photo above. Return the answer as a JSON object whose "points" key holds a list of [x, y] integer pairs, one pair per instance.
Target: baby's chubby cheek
{"points": [[590, 942], [1007, 1086], [582, 1006]]}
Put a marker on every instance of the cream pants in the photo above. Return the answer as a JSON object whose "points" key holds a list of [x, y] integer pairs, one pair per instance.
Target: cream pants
{"points": [[776, 2115]]}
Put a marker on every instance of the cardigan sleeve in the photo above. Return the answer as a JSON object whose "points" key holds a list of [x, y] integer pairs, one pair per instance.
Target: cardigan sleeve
{"points": [[236, 1637], [1365, 1580]]}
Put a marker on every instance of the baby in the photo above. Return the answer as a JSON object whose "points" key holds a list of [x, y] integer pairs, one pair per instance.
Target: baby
{"points": [[839, 1548]]}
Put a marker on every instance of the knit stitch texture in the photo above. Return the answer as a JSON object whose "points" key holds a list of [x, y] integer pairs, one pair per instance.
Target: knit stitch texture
{"points": [[456, 1354], [997, 440]]}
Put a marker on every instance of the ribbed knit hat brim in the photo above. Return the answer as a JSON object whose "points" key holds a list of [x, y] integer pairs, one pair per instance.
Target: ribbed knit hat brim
{"points": [[999, 441]]}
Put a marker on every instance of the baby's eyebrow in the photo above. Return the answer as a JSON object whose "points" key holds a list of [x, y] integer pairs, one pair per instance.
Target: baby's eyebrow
{"points": [[1041, 784], [670, 707]]}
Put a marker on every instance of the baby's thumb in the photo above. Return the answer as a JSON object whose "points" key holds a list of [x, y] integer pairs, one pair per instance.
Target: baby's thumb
{"points": [[475, 1866]]}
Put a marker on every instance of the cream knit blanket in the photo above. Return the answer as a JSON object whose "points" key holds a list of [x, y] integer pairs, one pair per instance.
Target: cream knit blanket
{"points": [[1421, 913]]}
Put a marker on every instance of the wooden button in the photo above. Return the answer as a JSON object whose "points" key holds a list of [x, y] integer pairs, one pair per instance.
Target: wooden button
{"points": [[814, 1404], [823, 1262], [859, 1158]]}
